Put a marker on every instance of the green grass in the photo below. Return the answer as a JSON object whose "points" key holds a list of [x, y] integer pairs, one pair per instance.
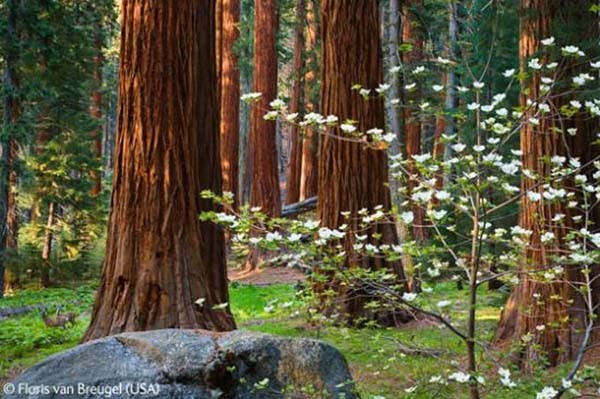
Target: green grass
{"points": [[378, 366]]}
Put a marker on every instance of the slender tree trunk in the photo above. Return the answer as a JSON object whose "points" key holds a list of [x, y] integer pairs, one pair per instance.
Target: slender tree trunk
{"points": [[295, 171], [43, 137], [47, 247], [393, 59], [96, 108], [411, 122], [265, 191], [229, 84], [438, 145], [160, 258], [451, 99], [352, 177], [245, 175], [557, 306], [12, 217], [310, 142]]}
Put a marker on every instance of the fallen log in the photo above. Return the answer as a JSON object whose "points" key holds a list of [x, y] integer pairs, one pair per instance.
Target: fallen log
{"points": [[298, 208], [11, 312]]}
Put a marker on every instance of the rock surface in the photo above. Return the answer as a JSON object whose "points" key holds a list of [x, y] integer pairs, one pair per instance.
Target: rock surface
{"points": [[190, 364]]}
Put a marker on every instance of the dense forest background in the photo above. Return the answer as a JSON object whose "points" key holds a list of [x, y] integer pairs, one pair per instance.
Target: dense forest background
{"points": [[154, 158], [60, 61]]}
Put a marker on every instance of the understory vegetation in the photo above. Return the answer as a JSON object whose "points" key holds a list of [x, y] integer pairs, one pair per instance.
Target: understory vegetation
{"points": [[381, 360]]}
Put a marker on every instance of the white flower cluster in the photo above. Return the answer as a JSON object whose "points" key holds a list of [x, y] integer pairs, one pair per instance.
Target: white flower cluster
{"points": [[547, 393]]}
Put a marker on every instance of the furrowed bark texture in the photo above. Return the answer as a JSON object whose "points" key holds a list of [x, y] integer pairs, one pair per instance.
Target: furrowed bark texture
{"points": [[292, 194], [265, 191], [310, 142], [263, 143], [351, 176], [229, 84], [160, 258], [556, 306]]}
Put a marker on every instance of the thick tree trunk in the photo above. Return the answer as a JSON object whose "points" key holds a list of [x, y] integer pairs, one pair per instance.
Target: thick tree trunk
{"points": [[557, 306], [310, 142], [229, 84], [292, 188], [351, 176], [265, 191], [160, 258]]}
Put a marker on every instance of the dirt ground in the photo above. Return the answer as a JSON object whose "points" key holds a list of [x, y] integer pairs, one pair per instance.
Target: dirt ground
{"points": [[267, 276]]}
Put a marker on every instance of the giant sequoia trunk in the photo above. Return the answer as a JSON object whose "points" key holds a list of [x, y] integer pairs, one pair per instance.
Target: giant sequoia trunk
{"points": [[310, 141], [352, 176], [292, 188], [557, 306], [229, 84], [160, 258], [265, 191]]}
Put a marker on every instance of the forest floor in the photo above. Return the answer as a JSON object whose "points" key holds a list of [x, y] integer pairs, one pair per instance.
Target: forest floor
{"points": [[269, 276], [381, 360]]}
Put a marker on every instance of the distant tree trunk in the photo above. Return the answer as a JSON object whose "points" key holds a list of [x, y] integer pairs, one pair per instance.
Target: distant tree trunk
{"points": [[263, 134], [12, 217], [44, 135], [109, 125], [411, 123], [96, 109], [451, 99], [393, 114], [160, 258], [438, 145], [557, 306], [310, 142], [295, 170], [9, 215], [245, 175], [352, 177], [47, 246], [393, 59], [229, 83]]}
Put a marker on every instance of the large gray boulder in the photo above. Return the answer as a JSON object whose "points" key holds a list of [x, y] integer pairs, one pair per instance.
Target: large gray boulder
{"points": [[190, 364]]}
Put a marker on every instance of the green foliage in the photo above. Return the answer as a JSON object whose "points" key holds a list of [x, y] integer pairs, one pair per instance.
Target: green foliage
{"points": [[58, 45], [377, 357]]}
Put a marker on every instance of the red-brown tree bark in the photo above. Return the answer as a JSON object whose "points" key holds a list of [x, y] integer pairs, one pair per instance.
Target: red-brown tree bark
{"points": [[160, 258], [265, 192], [310, 143], [292, 188], [351, 175], [557, 306], [229, 84]]}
